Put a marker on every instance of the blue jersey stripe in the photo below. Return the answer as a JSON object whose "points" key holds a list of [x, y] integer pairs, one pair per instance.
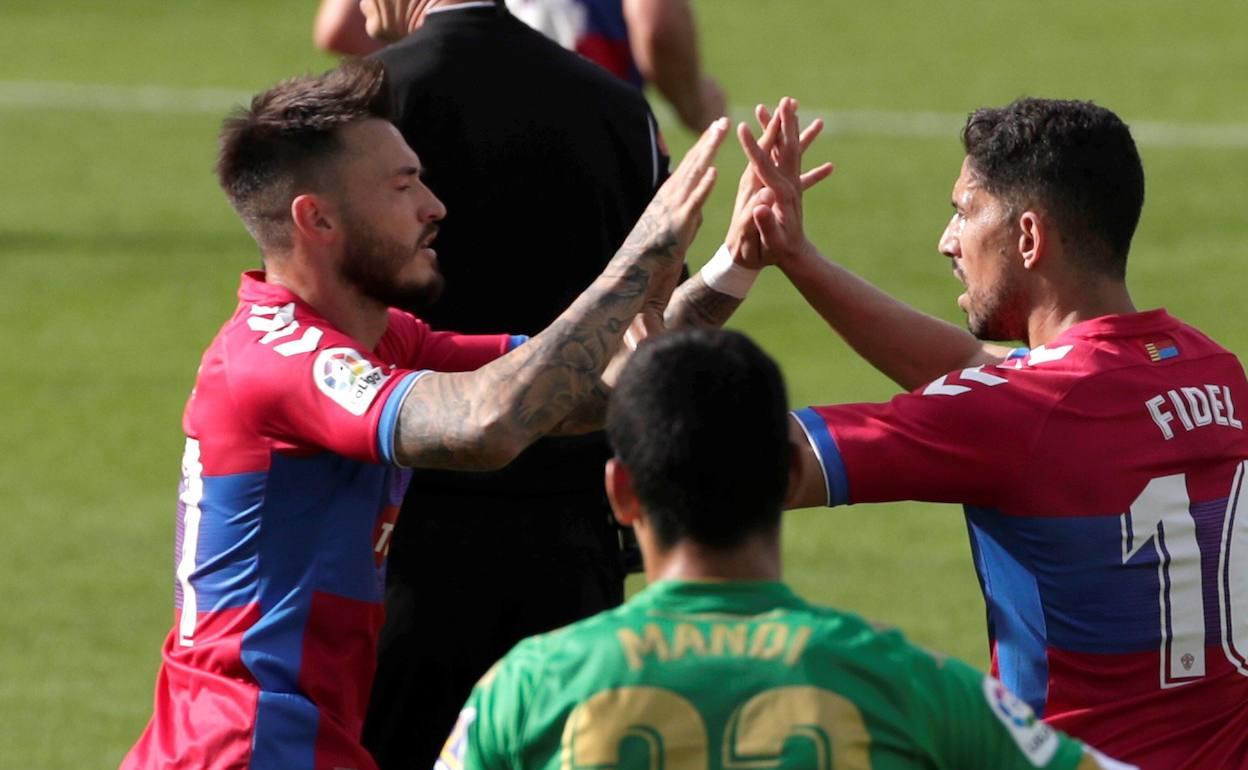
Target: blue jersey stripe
{"points": [[515, 341], [227, 543], [390, 416], [829, 456], [1016, 617], [285, 733], [316, 535]]}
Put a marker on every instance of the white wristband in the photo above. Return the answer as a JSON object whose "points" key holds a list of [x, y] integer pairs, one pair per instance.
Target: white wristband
{"points": [[727, 277]]}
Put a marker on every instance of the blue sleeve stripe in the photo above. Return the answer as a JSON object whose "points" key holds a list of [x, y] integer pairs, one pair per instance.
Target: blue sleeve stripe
{"points": [[1017, 353], [821, 441], [516, 341], [390, 416]]}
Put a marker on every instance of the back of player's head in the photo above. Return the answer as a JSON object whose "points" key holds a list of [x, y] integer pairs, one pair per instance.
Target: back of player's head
{"points": [[280, 146], [1074, 159], [700, 419]]}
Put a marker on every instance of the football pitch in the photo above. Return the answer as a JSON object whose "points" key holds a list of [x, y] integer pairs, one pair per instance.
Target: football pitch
{"points": [[119, 258]]}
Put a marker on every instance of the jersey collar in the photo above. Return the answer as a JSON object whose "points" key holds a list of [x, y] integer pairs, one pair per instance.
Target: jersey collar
{"points": [[731, 597], [1122, 325]]}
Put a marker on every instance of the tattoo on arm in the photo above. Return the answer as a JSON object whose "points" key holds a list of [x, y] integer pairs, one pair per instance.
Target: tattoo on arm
{"points": [[697, 305], [587, 416]]}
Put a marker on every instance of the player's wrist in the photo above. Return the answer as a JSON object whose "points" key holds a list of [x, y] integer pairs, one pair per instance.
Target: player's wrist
{"points": [[795, 260], [726, 276]]}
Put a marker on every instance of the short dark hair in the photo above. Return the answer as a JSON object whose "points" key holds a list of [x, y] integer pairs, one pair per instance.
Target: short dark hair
{"points": [[277, 147], [1075, 159], [700, 419]]}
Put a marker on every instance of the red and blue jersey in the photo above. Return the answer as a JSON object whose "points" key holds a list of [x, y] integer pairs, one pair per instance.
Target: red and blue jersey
{"points": [[604, 39], [596, 29], [1102, 476], [289, 493]]}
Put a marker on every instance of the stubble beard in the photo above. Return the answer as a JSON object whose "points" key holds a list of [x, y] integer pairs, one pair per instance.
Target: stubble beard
{"points": [[374, 265], [996, 314]]}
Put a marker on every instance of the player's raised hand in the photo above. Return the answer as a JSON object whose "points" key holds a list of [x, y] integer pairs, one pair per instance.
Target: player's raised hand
{"points": [[776, 210], [742, 239], [674, 215]]}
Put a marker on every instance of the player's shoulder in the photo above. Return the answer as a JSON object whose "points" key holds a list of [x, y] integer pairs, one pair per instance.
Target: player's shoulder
{"points": [[842, 633], [275, 345], [263, 336]]}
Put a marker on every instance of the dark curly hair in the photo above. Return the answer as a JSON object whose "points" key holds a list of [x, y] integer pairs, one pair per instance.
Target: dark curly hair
{"points": [[277, 147], [1074, 159]]}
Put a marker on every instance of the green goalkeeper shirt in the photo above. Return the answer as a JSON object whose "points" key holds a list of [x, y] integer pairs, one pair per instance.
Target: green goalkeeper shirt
{"points": [[741, 675]]}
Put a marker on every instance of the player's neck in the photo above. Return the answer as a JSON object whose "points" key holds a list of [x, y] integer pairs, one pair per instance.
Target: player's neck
{"points": [[359, 317], [1058, 310], [757, 559]]}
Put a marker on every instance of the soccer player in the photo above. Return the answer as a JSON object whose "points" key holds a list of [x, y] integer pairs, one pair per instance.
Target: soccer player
{"points": [[717, 663], [1101, 466], [316, 395]]}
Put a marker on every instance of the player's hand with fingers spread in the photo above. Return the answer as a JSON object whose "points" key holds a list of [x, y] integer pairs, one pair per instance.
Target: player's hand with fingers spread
{"points": [[777, 209], [674, 215]]}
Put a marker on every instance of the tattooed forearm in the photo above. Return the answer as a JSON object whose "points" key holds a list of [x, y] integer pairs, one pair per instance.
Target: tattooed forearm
{"points": [[697, 305], [482, 419], [589, 415]]}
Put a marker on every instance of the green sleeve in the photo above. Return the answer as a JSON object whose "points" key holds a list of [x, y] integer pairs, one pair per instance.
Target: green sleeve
{"points": [[487, 735], [973, 721]]}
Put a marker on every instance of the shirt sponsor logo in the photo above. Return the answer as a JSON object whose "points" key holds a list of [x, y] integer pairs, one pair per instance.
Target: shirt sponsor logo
{"points": [[1035, 739], [452, 757], [348, 378]]}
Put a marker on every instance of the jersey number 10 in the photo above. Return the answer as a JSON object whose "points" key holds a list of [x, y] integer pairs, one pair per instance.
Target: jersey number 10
{"points": [[1162, 515]]}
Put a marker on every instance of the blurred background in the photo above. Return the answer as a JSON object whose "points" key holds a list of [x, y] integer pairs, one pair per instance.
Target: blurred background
{"points": [[119, 259]]}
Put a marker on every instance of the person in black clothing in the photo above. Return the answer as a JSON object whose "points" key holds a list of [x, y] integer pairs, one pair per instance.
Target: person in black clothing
{"points": [[544, 161]]}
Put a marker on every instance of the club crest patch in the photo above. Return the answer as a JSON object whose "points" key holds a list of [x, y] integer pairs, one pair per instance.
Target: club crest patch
{"points": [[348, 378], [1037, 740]]}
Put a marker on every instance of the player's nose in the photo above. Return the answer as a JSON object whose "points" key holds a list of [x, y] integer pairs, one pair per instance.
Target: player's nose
{"points": [[948, 243], [431, 209]]}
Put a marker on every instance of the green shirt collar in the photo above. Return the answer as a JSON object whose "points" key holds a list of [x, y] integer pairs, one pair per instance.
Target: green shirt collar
{"points": [[733, 597]]}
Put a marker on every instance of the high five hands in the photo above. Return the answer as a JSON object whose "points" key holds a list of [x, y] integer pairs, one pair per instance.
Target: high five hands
{"points": [[766, 224]]}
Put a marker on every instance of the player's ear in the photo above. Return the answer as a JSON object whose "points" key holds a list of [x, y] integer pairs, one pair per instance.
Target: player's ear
{"points": [[620, 492], [1033, 238], [313, 218]]}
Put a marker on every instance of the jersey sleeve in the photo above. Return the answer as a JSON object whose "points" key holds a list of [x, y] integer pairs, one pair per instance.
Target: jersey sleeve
{"points": [[973, 721], [414, 345], [318, 392], [961, 439]]}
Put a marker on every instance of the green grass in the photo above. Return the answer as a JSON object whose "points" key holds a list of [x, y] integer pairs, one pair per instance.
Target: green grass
{"points": [[119, 258]]}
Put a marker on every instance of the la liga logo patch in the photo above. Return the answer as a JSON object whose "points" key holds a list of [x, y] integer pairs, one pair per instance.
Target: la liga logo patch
{"points": [[1035, 739], [348, 378]]}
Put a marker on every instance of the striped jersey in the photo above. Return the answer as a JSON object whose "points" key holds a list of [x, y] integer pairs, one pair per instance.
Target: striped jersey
{"points": [[288, 496], [1101, 476]]}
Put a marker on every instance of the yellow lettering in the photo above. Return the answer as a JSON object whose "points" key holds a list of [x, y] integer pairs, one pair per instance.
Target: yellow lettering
{"points": [[728, 640], [637, 647], [688, 639], [798, 646], [769, 640]]}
